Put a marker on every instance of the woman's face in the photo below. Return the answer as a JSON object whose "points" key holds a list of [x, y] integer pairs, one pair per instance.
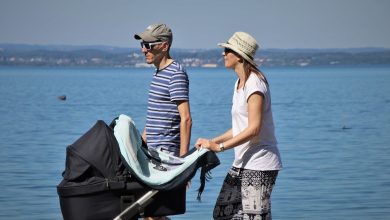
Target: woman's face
{"points": [[231, 58]]}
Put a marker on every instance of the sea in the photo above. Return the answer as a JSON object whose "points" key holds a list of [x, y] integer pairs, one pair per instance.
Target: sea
{"points": [[332, 126]]}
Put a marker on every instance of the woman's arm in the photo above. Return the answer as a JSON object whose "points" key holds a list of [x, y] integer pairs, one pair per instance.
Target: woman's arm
{"points": [[223, 137], [255, 106]]}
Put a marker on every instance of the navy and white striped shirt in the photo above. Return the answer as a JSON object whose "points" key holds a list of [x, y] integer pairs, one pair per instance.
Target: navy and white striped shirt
{"points": [[168, 86]]}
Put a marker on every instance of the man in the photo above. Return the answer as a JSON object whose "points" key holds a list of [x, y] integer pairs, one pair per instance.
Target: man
{"points": [[168, 122]]}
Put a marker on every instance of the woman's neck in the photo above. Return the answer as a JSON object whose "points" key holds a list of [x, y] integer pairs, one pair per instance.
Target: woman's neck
{"points": [[239, 69]]}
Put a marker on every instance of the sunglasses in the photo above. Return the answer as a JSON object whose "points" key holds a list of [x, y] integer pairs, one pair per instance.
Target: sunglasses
{"points": [[227, 50], [149, 46]]}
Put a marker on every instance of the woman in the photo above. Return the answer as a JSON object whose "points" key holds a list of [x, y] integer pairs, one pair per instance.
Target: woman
{"points": [[246, 191]]}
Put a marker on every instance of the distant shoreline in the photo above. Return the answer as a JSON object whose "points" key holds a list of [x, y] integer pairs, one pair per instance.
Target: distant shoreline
{"points": [[105, 56]]}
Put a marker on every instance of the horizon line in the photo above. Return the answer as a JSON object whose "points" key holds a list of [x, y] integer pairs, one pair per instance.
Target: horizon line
{"points": [[123, 47]]}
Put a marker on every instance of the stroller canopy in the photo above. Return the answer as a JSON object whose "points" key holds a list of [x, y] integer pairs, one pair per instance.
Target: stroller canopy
{"points": [[155, 168], [93, 163]]}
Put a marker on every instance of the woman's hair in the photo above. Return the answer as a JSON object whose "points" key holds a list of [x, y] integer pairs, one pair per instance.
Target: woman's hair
{"points": [[249, 68]]}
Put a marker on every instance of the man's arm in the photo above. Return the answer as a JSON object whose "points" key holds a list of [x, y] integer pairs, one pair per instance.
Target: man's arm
{"points": [[144, 135], [185, 126]]}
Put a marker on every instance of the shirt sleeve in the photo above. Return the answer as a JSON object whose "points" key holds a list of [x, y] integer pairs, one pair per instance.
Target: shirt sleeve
{"points": [[179, 87], [254, 84]]}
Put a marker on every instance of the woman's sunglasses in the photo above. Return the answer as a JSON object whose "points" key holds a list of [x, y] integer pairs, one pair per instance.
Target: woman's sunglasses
{"points": [[227, 50], [149, 46]]}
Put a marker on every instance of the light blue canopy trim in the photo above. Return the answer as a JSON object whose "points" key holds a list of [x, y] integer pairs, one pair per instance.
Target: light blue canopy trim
{"points": [[152, 174]]}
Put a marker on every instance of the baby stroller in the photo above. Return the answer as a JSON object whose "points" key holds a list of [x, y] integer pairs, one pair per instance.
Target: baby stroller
{"points": [[111, 174]]}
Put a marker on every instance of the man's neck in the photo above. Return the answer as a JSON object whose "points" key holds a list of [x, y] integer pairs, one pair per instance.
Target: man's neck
{"points": [[164, 62]]}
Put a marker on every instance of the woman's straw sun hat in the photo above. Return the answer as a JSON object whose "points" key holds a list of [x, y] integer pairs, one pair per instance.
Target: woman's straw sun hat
{"points": [[243, 44]]}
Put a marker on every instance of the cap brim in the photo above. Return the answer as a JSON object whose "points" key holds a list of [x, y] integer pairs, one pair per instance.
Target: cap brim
{"points": [[137, 37], [145, 37]]}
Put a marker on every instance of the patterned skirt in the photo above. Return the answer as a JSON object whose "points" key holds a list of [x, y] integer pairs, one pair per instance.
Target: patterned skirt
{"points": [[246, 194]]}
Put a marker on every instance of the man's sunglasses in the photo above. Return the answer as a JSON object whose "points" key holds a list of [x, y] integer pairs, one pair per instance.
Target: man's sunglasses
{"points": [[149, 46]]}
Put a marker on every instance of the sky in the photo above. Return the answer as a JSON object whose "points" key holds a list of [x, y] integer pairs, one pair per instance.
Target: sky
{"points": [[200, 24]]}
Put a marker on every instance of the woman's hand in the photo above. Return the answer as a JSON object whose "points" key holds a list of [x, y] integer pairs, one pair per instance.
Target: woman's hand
{"points": [[205, 143]]}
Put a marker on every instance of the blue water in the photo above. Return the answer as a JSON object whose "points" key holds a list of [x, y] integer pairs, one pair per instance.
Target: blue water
{"points": [[329, 172]]}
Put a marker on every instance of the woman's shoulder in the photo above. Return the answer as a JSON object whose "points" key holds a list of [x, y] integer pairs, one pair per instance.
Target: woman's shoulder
{"points": [[255, 79], [255, 83]]}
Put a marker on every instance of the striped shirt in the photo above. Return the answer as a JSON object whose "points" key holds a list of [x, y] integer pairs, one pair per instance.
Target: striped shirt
{"points": [[168, 86]]}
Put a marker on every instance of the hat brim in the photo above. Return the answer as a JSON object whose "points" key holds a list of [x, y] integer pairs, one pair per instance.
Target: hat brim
{"points": [[243, 55], [145, 37]]}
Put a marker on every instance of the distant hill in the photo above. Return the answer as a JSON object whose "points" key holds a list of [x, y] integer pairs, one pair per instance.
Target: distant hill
{"points": [[30, 47], [65, 55]]}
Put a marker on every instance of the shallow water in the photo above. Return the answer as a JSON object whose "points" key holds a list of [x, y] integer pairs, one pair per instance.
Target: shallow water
{"points": [[332, 126]]}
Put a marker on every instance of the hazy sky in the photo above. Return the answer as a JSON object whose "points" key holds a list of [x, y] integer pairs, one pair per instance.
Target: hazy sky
{"points": [[200, 23]]}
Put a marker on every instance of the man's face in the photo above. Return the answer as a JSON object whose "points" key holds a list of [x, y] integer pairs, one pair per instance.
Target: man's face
{"points": [[152, 50]]}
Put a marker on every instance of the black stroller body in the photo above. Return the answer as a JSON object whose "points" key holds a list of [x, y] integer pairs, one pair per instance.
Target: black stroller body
{"points": [[99, 184]]}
